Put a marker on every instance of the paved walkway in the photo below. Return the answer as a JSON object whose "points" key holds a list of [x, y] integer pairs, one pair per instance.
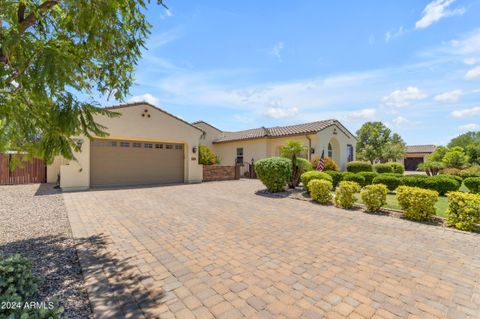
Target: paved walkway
{"points": [[218, 250]]}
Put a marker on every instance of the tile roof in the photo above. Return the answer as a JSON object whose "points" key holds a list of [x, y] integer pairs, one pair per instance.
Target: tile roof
{"points": [[421, 148], [277, 131]]}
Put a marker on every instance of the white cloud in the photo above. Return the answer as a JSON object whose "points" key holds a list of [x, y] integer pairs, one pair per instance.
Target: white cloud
{"points": [[474, 111], [365, 114], [147, 97], [470, 61], [473, 73], [394, 34], [281, 112], [402, 98], [277, 50], [466, 45], [469, 127], [451, 96], [399, 121], [436, 10]]}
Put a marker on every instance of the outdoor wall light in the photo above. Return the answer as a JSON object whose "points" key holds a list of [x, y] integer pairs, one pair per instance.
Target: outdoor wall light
{"points": [[312, 151], [79, 142], [194, 149]]}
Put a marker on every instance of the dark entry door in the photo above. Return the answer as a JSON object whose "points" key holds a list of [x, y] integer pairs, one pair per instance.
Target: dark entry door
{"points": [[412, 163]]}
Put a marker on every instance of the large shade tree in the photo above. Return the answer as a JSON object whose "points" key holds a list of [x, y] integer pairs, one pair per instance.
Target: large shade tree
{"points": [[52, 52], [375, 142]]}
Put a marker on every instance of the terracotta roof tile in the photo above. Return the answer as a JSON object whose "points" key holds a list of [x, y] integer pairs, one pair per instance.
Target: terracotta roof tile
{"points": [[421, 148]]}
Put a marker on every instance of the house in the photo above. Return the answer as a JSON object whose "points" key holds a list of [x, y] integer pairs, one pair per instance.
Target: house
{"points": [[416, 154], [329, 137], [145, 145]]}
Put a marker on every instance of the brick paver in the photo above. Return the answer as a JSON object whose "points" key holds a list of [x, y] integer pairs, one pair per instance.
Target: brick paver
{"points": [[219, 250]]}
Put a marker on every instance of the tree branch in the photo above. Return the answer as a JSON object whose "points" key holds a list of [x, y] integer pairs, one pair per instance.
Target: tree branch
{"points": [[21, 12], [32, 17]]}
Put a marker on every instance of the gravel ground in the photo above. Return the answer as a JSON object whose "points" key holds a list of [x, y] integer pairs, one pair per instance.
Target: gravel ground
{"points": [[34, 223]]}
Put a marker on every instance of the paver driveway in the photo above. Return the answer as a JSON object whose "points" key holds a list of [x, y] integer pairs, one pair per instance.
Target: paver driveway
{"points": [[219, 250]]}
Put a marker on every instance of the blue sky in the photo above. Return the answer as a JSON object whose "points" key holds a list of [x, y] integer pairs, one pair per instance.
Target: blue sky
{"points": [[414, 65]]}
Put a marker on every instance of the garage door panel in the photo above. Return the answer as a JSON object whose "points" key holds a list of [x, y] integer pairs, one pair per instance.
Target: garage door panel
{"points": [[117, 163]]}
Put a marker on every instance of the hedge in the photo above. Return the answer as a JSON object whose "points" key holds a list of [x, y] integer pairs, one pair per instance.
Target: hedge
{"points": [[374, 197], [274, 172], [308, 176], [345, 194], [304, 165], [397, 167], [369, 176], [357, 178], [337, 177], [463, 210], [417, 203], [442, 184], [473, 184], [382, 168], [357, 166], [414, 180], [391, 181], [320, 190]]}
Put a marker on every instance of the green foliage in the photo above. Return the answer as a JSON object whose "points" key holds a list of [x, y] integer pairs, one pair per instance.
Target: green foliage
{"points": [[369, 176], [418, 204], [304, 165], [358, 166], [292, 150], [308, 176], [397, 167], [206, 156], [414, 180], [375, 141], [374, 197], [438, 154], [337, 177], [357, 178], [382, 168], [431, 167], [52, 53], [391, 181], [459, 179], [463, 210], [442, 184], [345, 194], [473, 184], [455, 158], [465, 139], [320, 190], [274, 172], [328, 163]]}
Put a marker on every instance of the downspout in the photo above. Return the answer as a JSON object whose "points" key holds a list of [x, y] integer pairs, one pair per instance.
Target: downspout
{"points": [[309, 147]]}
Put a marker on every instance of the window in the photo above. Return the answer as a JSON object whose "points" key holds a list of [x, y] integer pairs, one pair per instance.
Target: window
{"points": [[111, 143], [169, 147], [330, 150], [148, 145], [349, 153], [136, 145], [98, 143], [124, 144], [158, 145], [178, 146], [239, 159]]}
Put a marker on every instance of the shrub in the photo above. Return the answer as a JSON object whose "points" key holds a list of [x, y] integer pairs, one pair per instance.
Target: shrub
{"points": [[442, 184], [345, 194], [414, 180], [473, 184], [369, 176], [463, 210], [358, 166], [337, 177], [274, 172], [357, 178], [206, 156], [328, 163], [374, 197], [382, 168], [455, 177], [308, 176], [417, 204], [397, 167], [320, 190], [391, 181], [304, 165]]}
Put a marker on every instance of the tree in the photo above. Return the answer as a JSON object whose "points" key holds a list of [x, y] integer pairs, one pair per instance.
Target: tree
{"points": [[455, 157], [375, 142], [292, 150], [51, 52], [438, 154], [473, 153], [465, 139]]}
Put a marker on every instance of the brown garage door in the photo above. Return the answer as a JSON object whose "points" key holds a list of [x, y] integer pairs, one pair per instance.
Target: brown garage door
{"points": [[123, 163], [411, 163]]}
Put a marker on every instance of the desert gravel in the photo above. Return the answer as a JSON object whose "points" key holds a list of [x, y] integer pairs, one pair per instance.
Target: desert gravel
{"points": [[34, 223]]}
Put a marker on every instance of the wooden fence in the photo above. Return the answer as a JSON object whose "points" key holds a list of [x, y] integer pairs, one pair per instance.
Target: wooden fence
{"points": [[33, 171]]}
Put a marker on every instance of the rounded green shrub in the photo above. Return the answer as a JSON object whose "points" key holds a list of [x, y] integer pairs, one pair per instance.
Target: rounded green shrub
{"points": [[442, 184], [274, 172], [382, 168], [369, 176], [374, 197], [358, 166], [345, 194], [473, 184], [417, 203], [455, 177], [320, 190], [308, 176], [357, 178], [337, 177], [304, 165], [206, 156], [414, 180], [397, 167], [391, 181], [463, 210]]}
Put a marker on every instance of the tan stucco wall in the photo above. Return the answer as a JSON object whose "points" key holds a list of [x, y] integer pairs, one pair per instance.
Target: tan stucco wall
{"points": [[227, 152], [210, 133], [159, 127], [342, 138], [54, 169], [274, 144]]}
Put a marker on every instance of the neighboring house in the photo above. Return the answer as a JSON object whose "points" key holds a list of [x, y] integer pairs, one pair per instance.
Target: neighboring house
{"points": [[146, 145], [416, 154], [328, 136]]}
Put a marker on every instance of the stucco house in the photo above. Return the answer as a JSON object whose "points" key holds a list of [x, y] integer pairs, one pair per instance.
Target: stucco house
{"points": [[416, 154], [147, 145], [328, 136]]}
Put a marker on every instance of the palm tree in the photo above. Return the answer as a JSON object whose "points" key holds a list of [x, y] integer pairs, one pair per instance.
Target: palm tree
{"points": [[292, 150]]}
